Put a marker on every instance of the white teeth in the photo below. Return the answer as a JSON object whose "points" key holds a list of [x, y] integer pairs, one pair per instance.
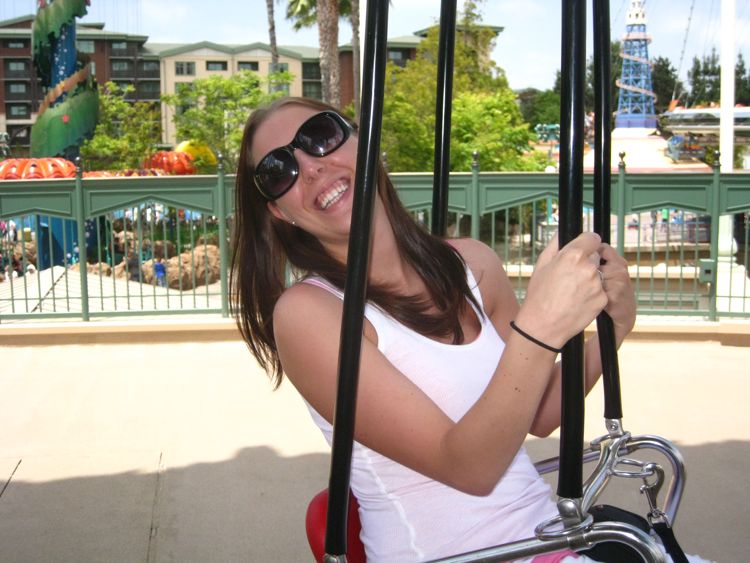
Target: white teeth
{"points": [[331, 196]]}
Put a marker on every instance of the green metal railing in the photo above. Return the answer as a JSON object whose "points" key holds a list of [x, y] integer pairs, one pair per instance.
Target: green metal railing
{"points": [[685, 236]]}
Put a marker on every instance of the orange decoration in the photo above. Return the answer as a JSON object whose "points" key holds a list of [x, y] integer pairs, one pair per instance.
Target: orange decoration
{"points": [[172, 162], [36, 168]]}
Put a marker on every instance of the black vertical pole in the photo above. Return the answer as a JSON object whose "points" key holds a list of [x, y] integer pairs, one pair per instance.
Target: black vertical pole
{"points": [[602, 196], [443, 116], [368, 153], [573, 73]]}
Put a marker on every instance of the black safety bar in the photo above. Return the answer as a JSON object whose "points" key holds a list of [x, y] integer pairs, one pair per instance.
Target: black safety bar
{"points": [[368, 151], [443, 107], [573, 75], [602, 197]]}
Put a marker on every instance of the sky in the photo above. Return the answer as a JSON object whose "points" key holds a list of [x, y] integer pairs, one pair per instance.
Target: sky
{"points": [[528, 49]]}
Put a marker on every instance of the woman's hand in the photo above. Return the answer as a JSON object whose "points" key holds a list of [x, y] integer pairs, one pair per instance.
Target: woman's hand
{"points": [[620, 295], [565, 292]]}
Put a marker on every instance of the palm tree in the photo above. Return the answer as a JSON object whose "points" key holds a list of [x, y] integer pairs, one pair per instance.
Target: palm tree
{"points": [[355, 53], [272, 36], [305, 13], [328, 32]]}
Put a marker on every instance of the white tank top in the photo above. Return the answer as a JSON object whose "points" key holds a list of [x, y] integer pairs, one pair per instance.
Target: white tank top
{"points": [[409, 517]]}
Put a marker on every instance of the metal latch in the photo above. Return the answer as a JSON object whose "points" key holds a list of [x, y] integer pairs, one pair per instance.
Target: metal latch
{"points": [[706, 268]]}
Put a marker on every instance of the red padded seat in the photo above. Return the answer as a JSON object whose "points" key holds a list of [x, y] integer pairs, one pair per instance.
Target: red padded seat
{"points": [[315, 523]]}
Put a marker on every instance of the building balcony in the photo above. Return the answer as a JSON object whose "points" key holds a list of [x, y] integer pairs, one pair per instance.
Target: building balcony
{"points": [[122, 74], [153, 74], [14, 97], [18, 74]]}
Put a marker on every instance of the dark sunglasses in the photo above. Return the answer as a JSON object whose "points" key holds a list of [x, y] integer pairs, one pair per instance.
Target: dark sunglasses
{"points": [[319, 136]]}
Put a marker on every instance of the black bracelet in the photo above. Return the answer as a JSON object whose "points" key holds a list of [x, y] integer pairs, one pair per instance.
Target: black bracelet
{"points": [[527, 336]]}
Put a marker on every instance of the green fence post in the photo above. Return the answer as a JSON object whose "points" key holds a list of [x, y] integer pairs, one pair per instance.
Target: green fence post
{"points": [[80, 213], [475, 211], [621, 205], [223, 250], [715, 219]]}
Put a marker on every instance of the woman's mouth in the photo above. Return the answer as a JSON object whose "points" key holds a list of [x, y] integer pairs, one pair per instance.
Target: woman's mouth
{"points": [[332, 194]]}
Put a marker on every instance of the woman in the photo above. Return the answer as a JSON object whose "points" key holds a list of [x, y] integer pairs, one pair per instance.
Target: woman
{"points": [[454, 373]]}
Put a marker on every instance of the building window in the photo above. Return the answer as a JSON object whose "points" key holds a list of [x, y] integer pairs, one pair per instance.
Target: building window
{"points": [[15, 44], [19, 134], [17, 88], [310, 71], [248, 65], [16, 66], [150, 66], [313, 90], [85, 45], [18, 111], [216, 65], [184, 68], [280, 67], [122, 66], [119, 45], [92, 66], [149, 87], [398, 57]]}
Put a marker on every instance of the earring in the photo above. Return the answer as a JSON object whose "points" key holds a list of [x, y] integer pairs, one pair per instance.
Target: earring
{"points": [[294, 223]]}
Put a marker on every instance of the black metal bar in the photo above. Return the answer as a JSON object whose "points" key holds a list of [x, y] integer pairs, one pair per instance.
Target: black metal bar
{"points": [[368, 153], [443, 116], [573, 73], [602, 196]]}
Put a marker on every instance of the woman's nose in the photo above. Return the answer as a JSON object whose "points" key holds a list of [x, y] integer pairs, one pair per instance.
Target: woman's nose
{"points": [[309, 166]]}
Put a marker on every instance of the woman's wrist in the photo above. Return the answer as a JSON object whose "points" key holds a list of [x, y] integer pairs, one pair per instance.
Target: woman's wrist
{"points": [[537, 325], [531, 338]]}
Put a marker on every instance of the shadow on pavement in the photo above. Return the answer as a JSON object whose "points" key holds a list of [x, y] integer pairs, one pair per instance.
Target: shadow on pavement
{"points": [[251, 508]]}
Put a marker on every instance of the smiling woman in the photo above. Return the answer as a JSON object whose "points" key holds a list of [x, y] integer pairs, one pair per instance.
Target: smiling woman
{"points": [[448, 390]]}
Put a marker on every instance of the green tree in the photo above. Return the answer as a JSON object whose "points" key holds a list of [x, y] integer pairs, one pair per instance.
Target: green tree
{"points": [[126, 134], [213, 110], [705, 80], [615, 72], [480, 95], [491, 123], [539, 106], [665, 83], [741, 82]]}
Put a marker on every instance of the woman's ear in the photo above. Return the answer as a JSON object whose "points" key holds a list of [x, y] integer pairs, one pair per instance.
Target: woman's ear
{"points": [[277, 212]]}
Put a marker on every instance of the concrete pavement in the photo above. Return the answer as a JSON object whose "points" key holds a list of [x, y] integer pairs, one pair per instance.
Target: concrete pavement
{"points": [[167, 444]]}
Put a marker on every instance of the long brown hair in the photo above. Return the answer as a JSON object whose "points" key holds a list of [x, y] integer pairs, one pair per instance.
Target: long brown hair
{"points": [[264, 246]]}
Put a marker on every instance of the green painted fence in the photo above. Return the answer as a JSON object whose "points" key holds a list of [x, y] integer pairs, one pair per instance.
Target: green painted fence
{"points": [[685, 236]]}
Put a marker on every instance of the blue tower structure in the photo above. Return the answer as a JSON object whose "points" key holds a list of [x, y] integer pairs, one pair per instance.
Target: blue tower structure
{"points": [[635, 107]]}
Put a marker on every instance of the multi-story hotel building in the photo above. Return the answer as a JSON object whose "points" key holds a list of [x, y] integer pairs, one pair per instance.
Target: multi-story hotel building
{"points": [[156, 68]]}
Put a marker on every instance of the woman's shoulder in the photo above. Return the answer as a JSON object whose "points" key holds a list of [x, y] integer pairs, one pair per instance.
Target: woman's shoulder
{"points": [[477, 255], [488, 271], [308, 295]]}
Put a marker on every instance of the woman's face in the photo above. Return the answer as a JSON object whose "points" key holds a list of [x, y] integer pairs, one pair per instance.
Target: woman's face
{"points": [[320, 201]]}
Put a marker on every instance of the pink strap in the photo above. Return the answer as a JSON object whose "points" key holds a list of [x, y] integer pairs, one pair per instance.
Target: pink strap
{"points": [[318, 282], [554, 557]]}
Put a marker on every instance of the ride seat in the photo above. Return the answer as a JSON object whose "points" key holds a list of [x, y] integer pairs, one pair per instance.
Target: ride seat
{"points": [[315, 524]]}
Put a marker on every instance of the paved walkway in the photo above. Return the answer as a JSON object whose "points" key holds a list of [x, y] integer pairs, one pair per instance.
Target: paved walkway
{"points": [[176, 450]]}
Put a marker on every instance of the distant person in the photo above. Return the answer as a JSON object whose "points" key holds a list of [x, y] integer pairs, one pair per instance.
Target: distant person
{"points": [[160, 272], [11, 232], [133, 267]]}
